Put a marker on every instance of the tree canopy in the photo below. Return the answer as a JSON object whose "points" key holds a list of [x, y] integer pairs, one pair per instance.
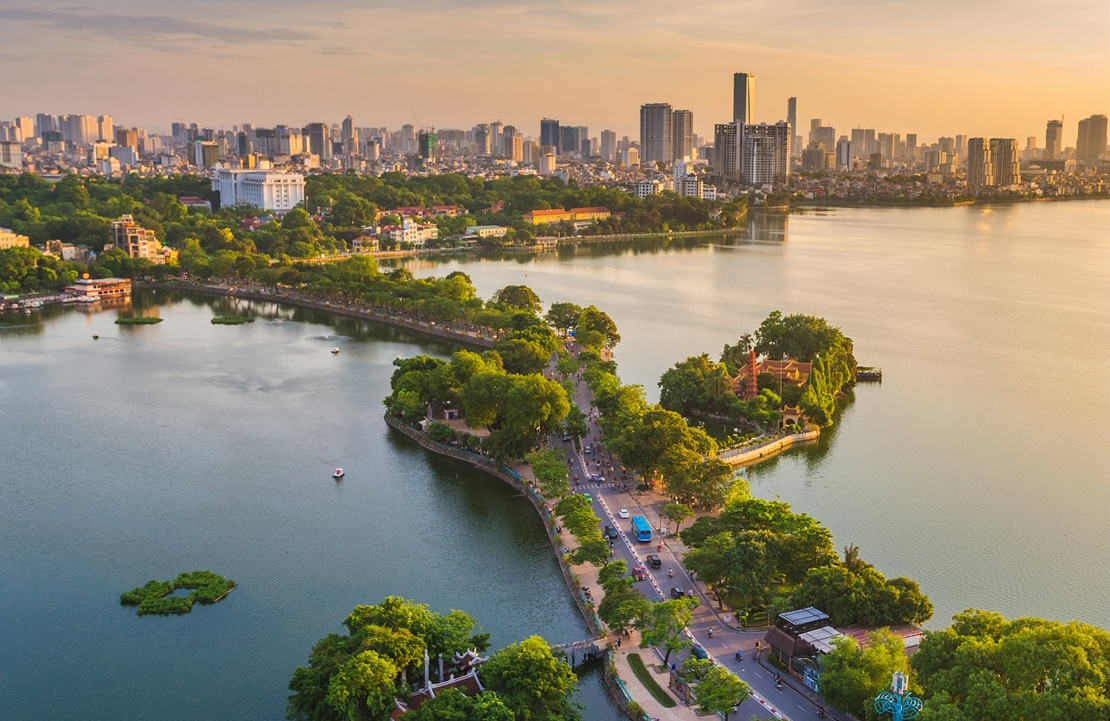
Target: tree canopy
{"points": [[985, 668]]}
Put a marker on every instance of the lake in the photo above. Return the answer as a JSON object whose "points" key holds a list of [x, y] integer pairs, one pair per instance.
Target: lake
{"points": [[979, 466]]}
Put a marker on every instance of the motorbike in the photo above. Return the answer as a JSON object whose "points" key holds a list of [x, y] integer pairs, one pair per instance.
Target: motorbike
{"points": [[821, 713], [739, 656]]}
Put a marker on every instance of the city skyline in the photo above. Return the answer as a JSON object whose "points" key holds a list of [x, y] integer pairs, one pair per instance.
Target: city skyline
{"points": [[887, 67]]}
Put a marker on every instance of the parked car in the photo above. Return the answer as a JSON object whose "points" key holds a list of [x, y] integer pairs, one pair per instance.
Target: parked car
{"points": [[677, 592], [638, 573], [611, 532], [654, 561], [623, 513]]}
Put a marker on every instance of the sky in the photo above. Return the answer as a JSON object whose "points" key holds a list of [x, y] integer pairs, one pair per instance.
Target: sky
{"points": [[993, 68]]}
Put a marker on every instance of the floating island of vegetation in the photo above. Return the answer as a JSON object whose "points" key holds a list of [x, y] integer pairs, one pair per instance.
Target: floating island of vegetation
{"points": [[154, 597], [231, 320], [137, 321]]}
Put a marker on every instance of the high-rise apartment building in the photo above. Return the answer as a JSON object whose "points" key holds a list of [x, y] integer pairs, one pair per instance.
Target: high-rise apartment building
{"points": [[863, 141], [608, 145], [825, 135], [911, 147], [426, 142], [549, 133], [726, 149], [743, 97], [682, 133], [765, 153], [104, 130], [1005, 161], [1091, 140], [1053, 139], [980, 173], [656, 133]]}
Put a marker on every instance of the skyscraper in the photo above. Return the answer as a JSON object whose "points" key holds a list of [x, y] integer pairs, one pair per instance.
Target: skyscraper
{"points": [[1091, 141], [549, 133], [682, 132], [656, 134], [318, 137], [792, 118], [980, 174], [1053, 138], [743, 96], [350, 137]]}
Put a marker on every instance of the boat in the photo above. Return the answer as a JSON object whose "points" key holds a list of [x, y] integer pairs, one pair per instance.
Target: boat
{"points": [[338, 474], [335, 350]]}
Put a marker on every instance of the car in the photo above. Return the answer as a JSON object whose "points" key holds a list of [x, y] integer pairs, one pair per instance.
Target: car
{"points": [[698, 652], [678, 592], [586, 449], [566, 437], [622, 513], [588, 497], [654, 561], [611, 532], [638, 573]]}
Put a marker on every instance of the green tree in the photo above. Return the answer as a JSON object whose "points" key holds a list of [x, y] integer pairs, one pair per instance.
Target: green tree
{"points": [[519, 297], [664, 626], [532, 682], [363, 687], [563, 316], [984, 667], [720, 691], [852, 676], [595, 321], [551, 472], [676, 513]]}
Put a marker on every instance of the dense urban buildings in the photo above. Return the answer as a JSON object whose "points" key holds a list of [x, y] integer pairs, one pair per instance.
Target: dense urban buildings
{"points": [[1091, 140]]}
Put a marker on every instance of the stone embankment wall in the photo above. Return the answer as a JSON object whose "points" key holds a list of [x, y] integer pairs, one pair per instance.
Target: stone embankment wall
{"points": [[744, 456], [351, 309]]}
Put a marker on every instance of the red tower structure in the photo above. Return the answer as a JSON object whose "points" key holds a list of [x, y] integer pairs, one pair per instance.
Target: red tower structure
{"points": [[751, 386]]}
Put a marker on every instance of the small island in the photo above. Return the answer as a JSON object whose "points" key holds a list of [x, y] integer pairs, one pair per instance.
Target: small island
{"points": [[231, 320], [137, 321], [154, 598]]}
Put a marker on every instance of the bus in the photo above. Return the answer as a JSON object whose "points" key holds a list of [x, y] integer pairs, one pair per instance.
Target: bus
{"points": [[641, 531]]}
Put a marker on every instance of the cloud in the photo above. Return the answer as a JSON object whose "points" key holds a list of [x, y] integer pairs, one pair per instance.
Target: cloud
{"points": [[136, 27]]}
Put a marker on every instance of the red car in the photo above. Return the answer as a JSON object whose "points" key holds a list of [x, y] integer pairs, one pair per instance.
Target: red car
{"points": [[638, 573]]}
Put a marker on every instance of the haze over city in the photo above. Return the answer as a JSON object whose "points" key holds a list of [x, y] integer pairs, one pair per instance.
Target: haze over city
{"points": [[990, 69]]}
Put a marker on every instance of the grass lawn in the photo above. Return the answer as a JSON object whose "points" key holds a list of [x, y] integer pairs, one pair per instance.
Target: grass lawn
{"points": [[649, 682]]}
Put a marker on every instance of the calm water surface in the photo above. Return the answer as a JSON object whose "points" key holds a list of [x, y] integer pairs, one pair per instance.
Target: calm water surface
{"points": [[181, 446], [980, 466]]}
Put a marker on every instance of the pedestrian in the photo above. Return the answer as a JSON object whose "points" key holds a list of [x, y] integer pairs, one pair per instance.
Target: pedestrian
{"points": [[618, 641]]}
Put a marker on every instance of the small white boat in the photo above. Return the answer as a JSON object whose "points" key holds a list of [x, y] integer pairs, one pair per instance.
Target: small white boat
{"points": [[335, 350], [338, 474]]}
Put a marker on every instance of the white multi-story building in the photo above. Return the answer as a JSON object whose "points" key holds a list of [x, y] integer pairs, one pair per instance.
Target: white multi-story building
{"points": [[265, 189], [644, 188], [11, 155]]}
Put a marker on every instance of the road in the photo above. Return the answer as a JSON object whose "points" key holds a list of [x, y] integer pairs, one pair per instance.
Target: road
{"points": [[793, 701]]}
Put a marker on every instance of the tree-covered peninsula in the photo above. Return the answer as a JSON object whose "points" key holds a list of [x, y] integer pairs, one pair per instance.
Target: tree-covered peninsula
{"points": [[390, 655]]}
